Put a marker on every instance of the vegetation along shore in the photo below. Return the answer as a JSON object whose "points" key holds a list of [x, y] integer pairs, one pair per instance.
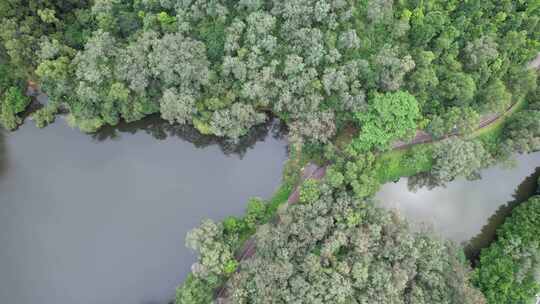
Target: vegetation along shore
{"points": [[369, 91]]}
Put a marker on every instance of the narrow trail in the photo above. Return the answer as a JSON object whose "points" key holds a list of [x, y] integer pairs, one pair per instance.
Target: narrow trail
{"points": [[423, 137], [312, 171]]}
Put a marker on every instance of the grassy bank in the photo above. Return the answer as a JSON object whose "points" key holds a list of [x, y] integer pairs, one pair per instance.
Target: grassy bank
{"points": [[394, 164], [494, 131], [398, 163], [389, 166]]}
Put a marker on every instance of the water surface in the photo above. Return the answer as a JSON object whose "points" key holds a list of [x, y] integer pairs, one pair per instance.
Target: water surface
{"points": [[466, 211], [102, 219]]}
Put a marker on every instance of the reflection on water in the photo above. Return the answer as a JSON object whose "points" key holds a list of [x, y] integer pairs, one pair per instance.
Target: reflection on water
{"points": [[523, 192], [161, 130], [462, 209], [103, 218]]}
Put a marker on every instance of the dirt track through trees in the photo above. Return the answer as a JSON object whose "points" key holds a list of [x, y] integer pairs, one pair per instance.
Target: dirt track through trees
{"points": [[312, 171], [423, 137]]}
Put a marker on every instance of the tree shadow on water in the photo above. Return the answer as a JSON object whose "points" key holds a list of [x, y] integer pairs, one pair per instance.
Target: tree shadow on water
{"points": [[487, 235], [163, 130]]}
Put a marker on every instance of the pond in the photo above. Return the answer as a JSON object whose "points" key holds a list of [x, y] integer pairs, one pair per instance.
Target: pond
{"points": [[466, 212], [102, 218]]}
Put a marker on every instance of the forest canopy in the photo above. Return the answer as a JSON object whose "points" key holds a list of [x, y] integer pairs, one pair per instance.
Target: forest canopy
{"points": [[508, 270], [381, 68], [330, 248], [225, 66]]}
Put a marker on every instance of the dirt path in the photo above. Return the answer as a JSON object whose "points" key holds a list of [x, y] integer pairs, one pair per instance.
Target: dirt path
{"points": [[310, 171], [315, 172], [423, 137]]}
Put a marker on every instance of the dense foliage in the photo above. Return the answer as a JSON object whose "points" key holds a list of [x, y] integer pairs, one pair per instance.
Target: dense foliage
{"points": [[23, 27], [509, 269], [389, 117], [224, 66], [14, 103], [217, 242], [522, 133], [334, 248], [310, 254], [380, 68], [456, 157]]}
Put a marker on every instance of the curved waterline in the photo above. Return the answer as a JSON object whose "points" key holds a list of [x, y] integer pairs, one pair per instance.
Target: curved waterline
{"points": [[95, 219], [527, 188], [461, 210]]}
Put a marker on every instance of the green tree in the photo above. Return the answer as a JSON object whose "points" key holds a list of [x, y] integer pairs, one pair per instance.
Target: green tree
{"points": [[458, 120], [215, 254], [256, 211], [389, 117], [455, 157], [175, 107], [392, 69], [45, 115], [522, 133], [13, 102], [194, 291], [458, 88], [334, 177], [309, 191], [495, 98], [507, 268], [340, 250]]}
